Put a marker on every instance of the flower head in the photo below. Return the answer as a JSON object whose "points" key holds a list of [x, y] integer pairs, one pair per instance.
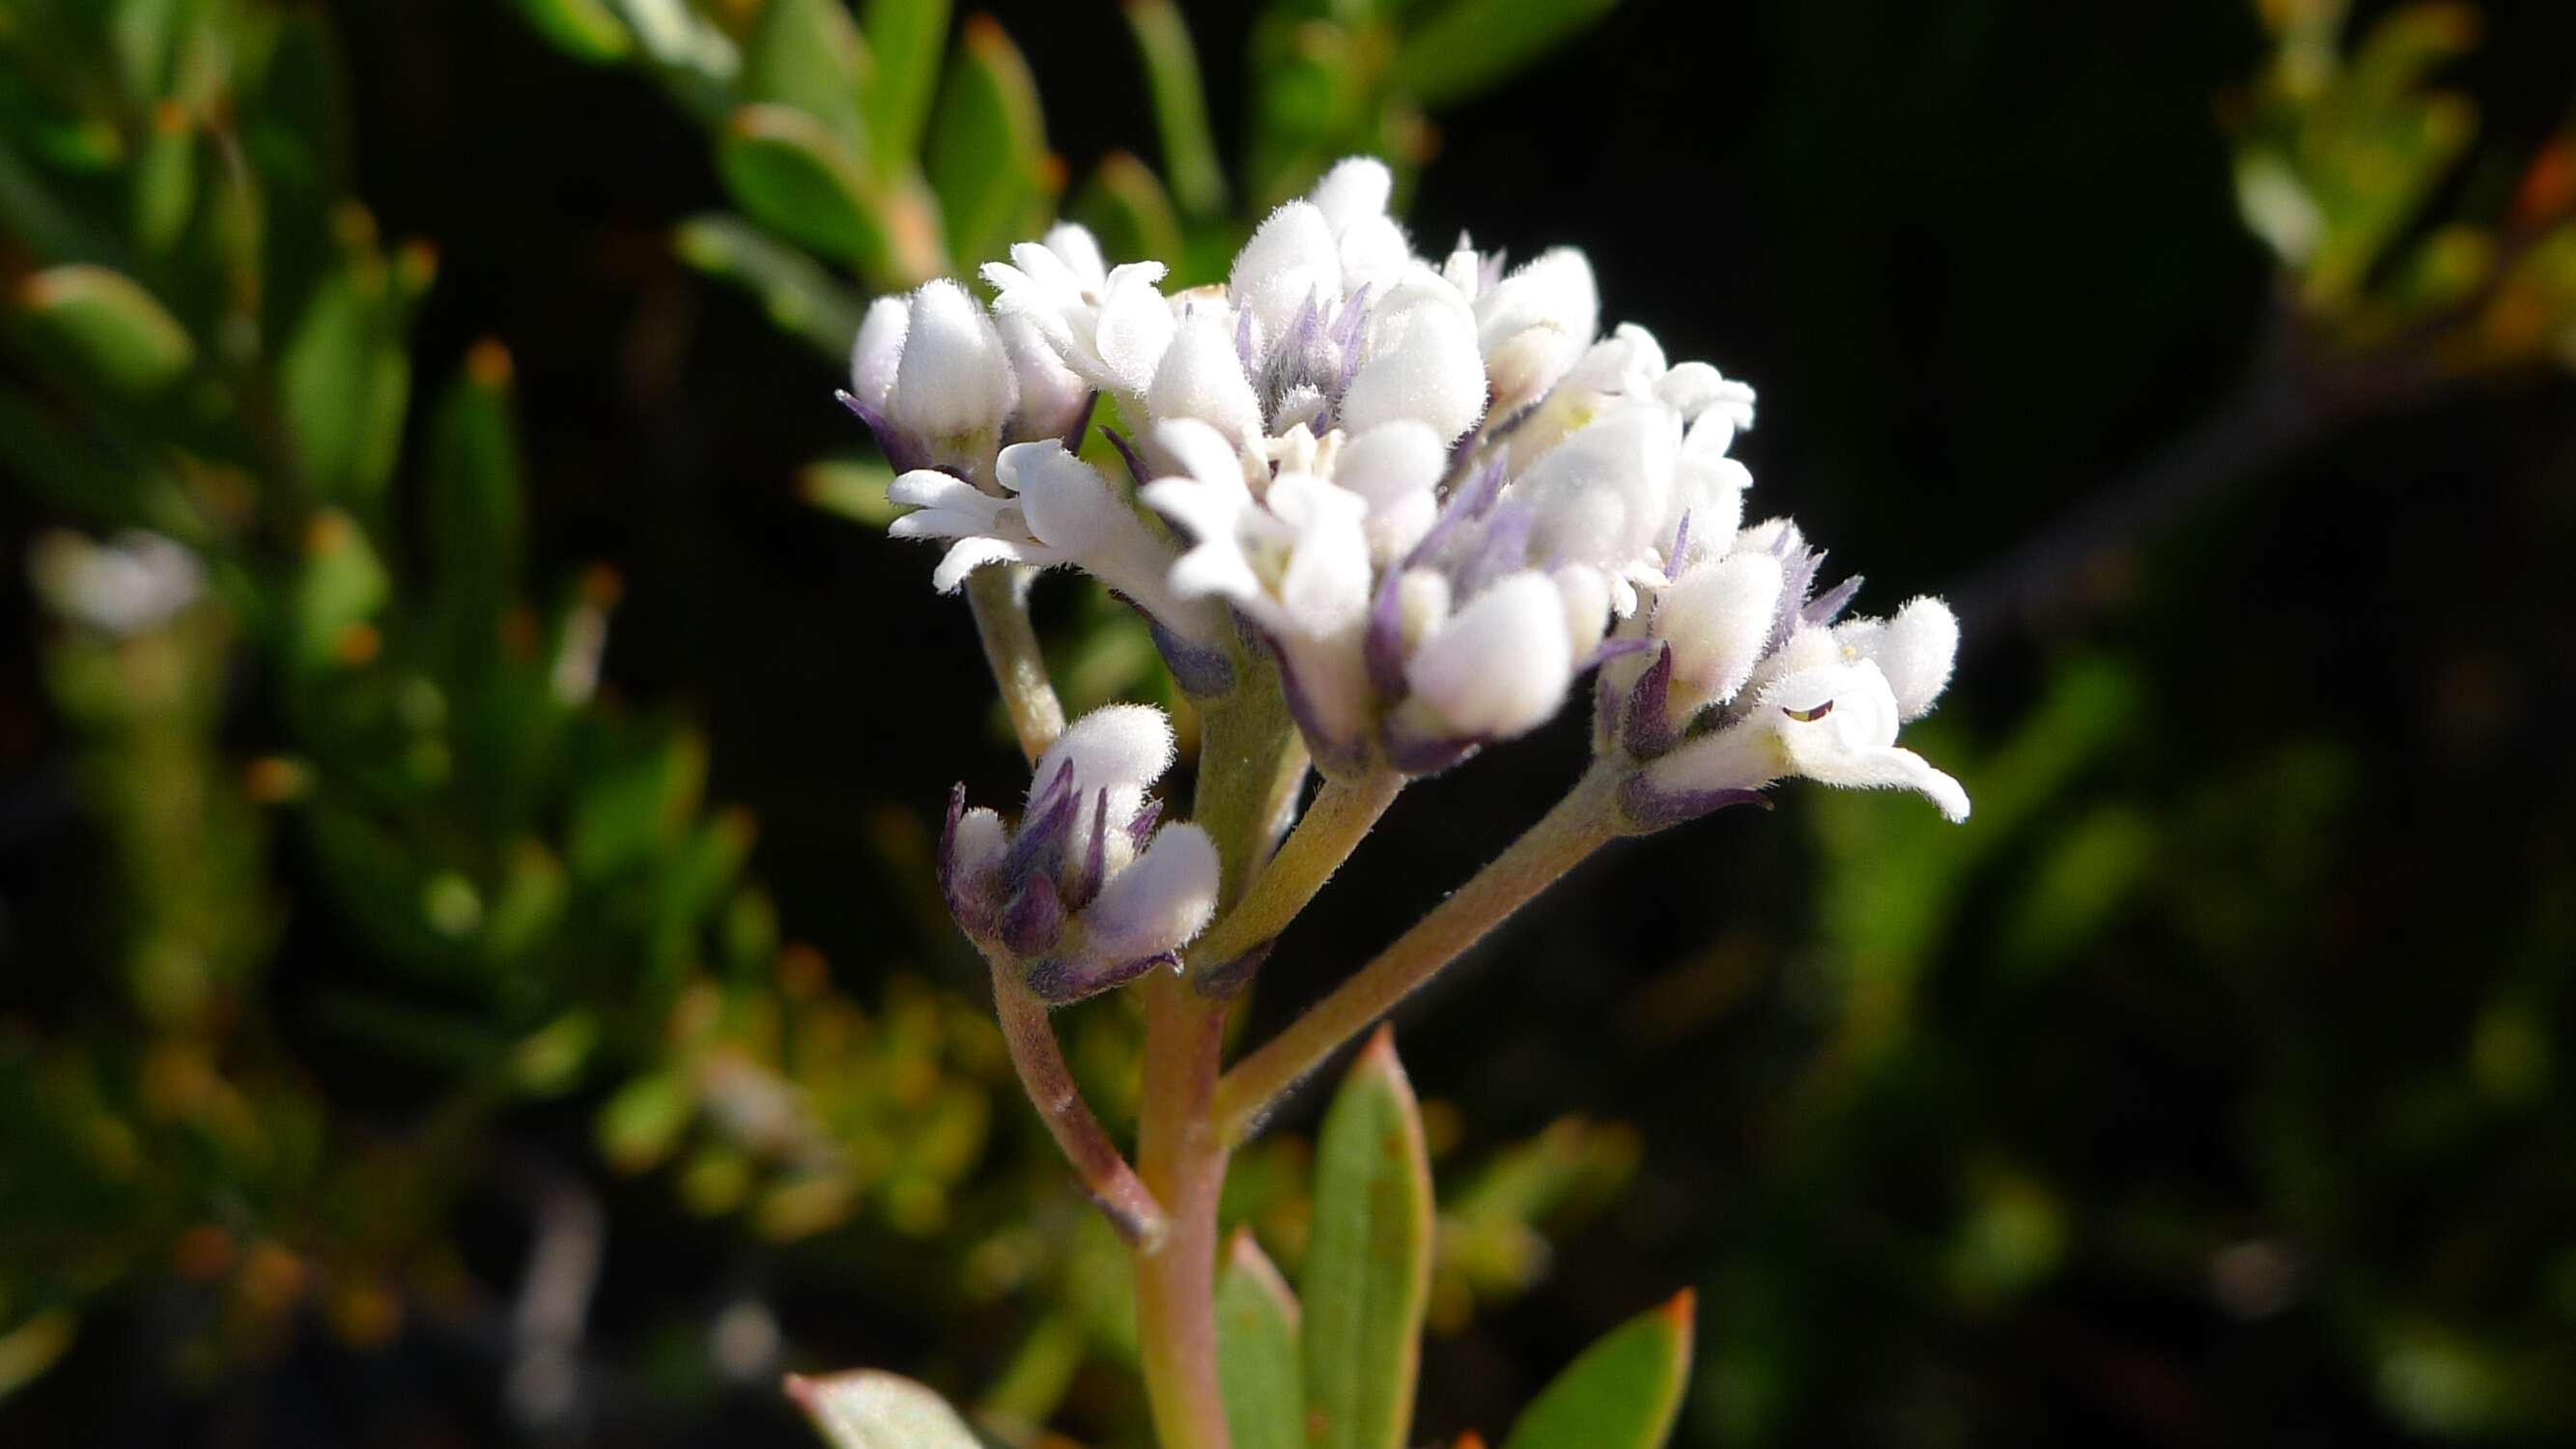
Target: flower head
{"points": [[1085, 893]]}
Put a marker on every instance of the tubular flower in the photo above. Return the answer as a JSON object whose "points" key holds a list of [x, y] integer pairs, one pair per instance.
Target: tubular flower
{"points": [[1086, 893], [1738, 675], [1433, 491]]}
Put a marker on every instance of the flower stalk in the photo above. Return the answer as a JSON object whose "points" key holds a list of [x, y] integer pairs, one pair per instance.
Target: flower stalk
{"points": [[1019, 665], [1115, 1187], [1333, 825]]}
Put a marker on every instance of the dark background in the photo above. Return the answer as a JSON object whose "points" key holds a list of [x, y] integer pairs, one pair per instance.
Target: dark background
{"points": [[1982, 262]]}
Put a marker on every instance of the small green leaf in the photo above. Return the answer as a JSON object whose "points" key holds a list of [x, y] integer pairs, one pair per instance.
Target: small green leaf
{"points": [[1179, 96], [1471, 45], [987, 156], [792, 175], [106, 324], [586, 30], [1258, 1366], [910, 38], [475, 478], [636, 805], [800, 297], [1623, 1393], [852, 488], [1368, 1266], [165, 181], [866, 1409], [1126, 207], [338, 589], [642, 1122], [343, 381], [807, 54]]}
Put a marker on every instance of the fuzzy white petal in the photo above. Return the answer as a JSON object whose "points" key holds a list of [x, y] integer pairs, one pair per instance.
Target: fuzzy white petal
{"points": [[1916, 654], [1121, 748], [1431, 374], [1500, 666], [1201, 377], [954, 379], [971, 554], [878, 348], [1716, 618], [1291, 257], [1160, 902]]}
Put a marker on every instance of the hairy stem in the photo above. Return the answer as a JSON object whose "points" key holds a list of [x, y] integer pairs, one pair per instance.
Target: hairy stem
{"points": [[1332, 827], [1183, 1160], [1115, 1187], [1011, 648], [1578, 825]]}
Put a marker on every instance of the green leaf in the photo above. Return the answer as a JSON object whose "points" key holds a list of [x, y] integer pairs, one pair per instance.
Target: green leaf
{"points": [[475, 526], [165, 181], [1368, 1265], [1126, 207], [586, 30], [107, 325], [637, 805], [343, 380], [1258, 1365], [800, 297], [852, 488], [910, 37], [789, 173], [338, 589], [866, 1409], [988, 159], [1471, 45], [807, 55], [1179, 97], [1623, 1393]]}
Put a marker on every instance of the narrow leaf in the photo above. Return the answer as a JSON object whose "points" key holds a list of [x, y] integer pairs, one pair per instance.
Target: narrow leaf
{"points": [[1258, 1363], [165, 180], [866, 1409], [987, 158], [1473, 44], [792, 175], [586, 30], [1179, 97], [108, 326], [338, 589], [851, 487], [807, 55], [800, 297], [910, 38], [475, 478], [1623, 1393], [1368, 1267], [1127, 208]]}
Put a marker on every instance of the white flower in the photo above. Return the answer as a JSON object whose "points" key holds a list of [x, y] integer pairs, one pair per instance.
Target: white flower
{"points": [[1835, 724], [132, 584], [1053, 397], [1498, 667], [877, 349], [953, 384], [1085, 893], [1534, 324], [1421, 366], [1056, 509], [1353, 197], [1110, 326], [1292, 261], [1201, 377]]}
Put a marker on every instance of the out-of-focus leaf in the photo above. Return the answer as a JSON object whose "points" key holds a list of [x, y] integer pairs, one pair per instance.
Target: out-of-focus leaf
{"points": [[852, 488], [586, 30], [788, 172], [642, 1122], [107, 325], [807, 55], [165, 180], [866, 1409], [1469, 45], [1125, 206], [70, 471], [987, 155], [1367, 1277], [30, 213], [800, 297], [1623, 1393], [1257, 1353], [338, 589], [909, 37], [475, 477], [636, 805], [328, 384], [1179, 96]]}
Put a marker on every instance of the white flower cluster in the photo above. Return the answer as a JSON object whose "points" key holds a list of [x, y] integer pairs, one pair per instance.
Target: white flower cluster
{"points": [[1433, 490], [1086, 893], [132, 584]]}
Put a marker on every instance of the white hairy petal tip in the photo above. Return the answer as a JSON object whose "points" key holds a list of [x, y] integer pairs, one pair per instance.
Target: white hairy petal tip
{"points": [[954, 376], [1161, 901], [1356, 188], [1201, 377], [1716, 617], [1916, 654], [1432, 374], [1500, 665], [1291, 257], [1073, 244], [1068, 505], [971, 554], [1117, 747], [877, 349]]}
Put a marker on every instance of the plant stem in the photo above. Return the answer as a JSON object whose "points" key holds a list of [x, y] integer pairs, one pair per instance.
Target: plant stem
{"points": [[1182, 1158], [1332, 827], [1011, 648], [1578, 825], [1120, 1194]]}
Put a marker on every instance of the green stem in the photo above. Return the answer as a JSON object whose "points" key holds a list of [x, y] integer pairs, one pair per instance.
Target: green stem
{"points": [[1332, 827], [1011, 648], [1115, 1187], [1578, 825]]}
